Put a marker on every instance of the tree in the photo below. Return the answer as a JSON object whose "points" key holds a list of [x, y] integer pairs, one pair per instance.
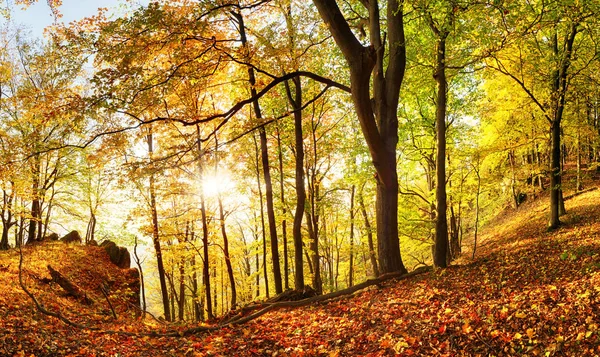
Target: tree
{"points": [[378, 118]]}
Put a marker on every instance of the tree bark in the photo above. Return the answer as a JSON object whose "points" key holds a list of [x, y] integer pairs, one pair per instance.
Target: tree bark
{"points": [[378, 118], [36, 212], [440, 259], [369, 230], [265, 163], [351, 263], [155, 234], [283, 214], [205, 262], [262, 220], [559, 89]]}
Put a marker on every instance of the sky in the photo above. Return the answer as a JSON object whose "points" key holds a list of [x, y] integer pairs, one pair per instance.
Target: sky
{"points": [[38, 16]]}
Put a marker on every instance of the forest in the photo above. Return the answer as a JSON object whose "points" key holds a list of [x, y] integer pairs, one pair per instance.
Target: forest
{"points": [[270, 148]]}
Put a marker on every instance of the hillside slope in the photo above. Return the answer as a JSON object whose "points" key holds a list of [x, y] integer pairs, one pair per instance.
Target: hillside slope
{"points": [[529, 292]]}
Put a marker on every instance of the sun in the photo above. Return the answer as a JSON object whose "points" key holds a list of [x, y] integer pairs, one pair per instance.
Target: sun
{"points": [[217, 184]]}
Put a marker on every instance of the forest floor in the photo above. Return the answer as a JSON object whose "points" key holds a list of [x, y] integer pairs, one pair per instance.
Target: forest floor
{"points": [[528, 292]]}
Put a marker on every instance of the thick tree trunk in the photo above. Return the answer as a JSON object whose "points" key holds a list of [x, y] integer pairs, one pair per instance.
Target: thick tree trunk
{"points": [[559, 89], [440, 259], [378, 118], [155, 235]]}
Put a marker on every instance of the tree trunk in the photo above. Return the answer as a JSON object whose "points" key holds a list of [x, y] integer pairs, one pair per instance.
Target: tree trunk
{"points": [[283, 214], [369, 230], [378, 118], [266, 168], [555, 189], [91, 228], [155, 234], [477, 194], [262, 220], [205, 262], [351, 263], [270, 211], [440, 259], [36, 212], [296, 101], [7, 216], [141, 271], [227, 256], [559, 89]]}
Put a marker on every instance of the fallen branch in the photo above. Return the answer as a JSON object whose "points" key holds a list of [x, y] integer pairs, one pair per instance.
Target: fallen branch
{"points": [[104, 291], [579, 193], [71, 289], [238, 320]]}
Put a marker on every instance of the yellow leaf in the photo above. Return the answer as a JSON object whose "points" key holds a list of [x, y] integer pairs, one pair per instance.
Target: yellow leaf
{"points": [[580, 336], [517, 336], [530, 333], [520, 315], [466, 328]]}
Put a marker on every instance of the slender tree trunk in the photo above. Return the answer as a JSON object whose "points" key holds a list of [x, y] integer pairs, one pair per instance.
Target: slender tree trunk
{"points": [[295, 99], [478, 193], [369, 230], [227, 256], [270, 212], [91, 227], [266, 168], [181, 301], [351, 263], [155, 235], [440, 259], [205, 262], [7, 216], [225, 238], [141, 272], [314, 252], [262, 220], [35, 201], [579, 184], [283, 213]]}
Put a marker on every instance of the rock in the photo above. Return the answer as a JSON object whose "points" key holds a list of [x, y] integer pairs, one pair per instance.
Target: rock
{"points": [[71, 237], [119, 256], [92, 243], [52, 236]]}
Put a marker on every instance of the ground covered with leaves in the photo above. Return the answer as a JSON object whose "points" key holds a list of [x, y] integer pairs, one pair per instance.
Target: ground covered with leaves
{"points": [[528, 292]]}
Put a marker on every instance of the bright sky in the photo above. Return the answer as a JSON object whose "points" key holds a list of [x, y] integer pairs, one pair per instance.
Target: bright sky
{"points": [[38, 16]]}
